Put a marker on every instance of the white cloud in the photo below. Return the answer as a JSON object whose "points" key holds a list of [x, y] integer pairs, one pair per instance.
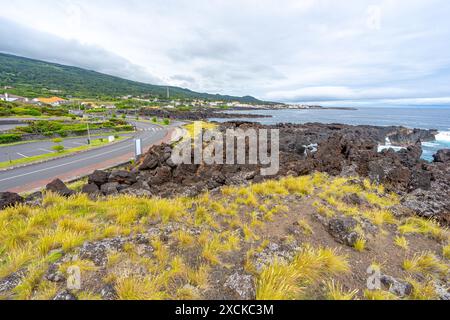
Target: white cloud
{"points": [[374, 17], [337, 93], [294, 49]]}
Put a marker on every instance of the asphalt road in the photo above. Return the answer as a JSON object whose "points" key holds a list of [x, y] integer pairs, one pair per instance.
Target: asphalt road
{"points": [[31, 149], [33, 176]]}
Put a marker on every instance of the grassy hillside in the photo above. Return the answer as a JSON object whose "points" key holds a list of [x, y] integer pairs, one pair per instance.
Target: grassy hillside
{"points": [[265, 241], [34, 78]]}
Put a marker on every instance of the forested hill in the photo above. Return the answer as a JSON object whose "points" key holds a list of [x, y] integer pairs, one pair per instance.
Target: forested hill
{"points": [[34, 78]]}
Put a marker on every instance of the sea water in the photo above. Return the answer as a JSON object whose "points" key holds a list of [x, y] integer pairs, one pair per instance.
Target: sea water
{"points": [[422, 117]]}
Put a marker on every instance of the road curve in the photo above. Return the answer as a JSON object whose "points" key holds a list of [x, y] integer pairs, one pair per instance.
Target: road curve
{"points": [[36, 176]]}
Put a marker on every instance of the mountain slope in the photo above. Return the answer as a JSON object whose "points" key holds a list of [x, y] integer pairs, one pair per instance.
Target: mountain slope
{"points": [[36, 78]]}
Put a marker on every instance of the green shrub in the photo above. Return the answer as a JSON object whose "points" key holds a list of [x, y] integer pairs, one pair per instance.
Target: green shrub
{"points": [[57, 140], [166, 122], [26, 112], [58, 148], [154, 119], [9, 138]]}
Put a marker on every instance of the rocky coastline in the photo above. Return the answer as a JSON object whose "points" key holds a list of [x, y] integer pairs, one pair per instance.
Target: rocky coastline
{"points": [[334, 190], [335, 149]]}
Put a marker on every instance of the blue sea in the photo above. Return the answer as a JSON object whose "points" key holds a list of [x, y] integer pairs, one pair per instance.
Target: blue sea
{"points": [[423, 117]]}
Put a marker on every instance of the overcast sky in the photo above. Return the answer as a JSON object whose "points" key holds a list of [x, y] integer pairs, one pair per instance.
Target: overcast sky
{"points": [[284, 50]]}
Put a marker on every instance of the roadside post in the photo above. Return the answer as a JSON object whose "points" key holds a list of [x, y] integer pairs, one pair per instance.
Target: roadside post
{"points": [[89, 134], [138, 148]]}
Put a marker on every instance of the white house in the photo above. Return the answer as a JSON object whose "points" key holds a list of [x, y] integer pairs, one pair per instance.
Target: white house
{"points": [[12, 98]]}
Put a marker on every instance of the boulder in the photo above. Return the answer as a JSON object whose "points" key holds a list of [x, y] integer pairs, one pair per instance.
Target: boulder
{"points": [[91, 189], [64, 296], [442, 156], [9, 199], [162, 175], [110, 188], [109, 292], [59, 187], [154, 157], [434, 203], [122, 177], [99, 177], [243, 286], [342, 229], [13, 280], [397, 287]]}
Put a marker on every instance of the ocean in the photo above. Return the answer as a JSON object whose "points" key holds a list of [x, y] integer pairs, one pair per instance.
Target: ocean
{"points": [[423, 117]]}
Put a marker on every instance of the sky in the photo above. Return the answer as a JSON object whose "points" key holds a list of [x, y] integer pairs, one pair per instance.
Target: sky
{"points": [[341, 51]]}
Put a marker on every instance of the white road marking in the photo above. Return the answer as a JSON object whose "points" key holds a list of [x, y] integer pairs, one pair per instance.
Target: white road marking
{"points": [[22, 155], [77, 143], [45, 150]]}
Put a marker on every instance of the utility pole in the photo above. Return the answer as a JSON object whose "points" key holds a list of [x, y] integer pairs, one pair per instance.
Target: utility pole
{"points": [[89, 134], [168, 93]]}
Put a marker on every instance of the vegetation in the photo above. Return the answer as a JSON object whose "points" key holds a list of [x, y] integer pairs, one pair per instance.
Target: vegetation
{"points": [[33, 78], [61, 128], [9, 138], [13, 109], [269, 231], [59, 151]]}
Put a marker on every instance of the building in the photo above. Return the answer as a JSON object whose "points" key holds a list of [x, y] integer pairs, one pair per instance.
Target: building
{"points": [[12, 98], [54, 101]]}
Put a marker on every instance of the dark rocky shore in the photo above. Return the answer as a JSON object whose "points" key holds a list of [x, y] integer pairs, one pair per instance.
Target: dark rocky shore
{"points": [[197, 115]]}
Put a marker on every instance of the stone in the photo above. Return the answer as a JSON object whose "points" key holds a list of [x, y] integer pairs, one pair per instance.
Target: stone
{"points": [[442, 156], [91, 189], [97, 252], [397, 287], [10, 282], [109, 292], [122, 177], [110, 188], [342, 229], [9, 199], [99, 177], [242, 285], [59, 187], [65, 296], [162, 175], [54, 275]]}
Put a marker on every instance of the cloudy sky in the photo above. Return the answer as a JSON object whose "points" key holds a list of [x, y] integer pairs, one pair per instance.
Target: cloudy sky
{"points": [[284, 50]]}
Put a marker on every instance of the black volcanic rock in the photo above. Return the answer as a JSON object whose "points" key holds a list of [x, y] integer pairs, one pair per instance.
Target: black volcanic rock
{"points": [[59, 187], [442, 156], [9, 199], [99, 177], [335, 149]]}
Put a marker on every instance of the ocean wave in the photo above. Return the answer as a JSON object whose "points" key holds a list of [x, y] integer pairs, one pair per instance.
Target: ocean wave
{"points": [[431, 144], [443, 136], [385, 147]]}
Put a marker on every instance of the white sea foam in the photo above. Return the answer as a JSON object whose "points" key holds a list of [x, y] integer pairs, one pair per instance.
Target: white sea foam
{"points": [[443, 136], [431, 144], [385, 147]]}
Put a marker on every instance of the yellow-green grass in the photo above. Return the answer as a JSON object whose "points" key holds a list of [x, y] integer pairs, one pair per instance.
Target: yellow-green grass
{"points": [[401, 242], [424, 226], [94, 144], [336, 291], [227, 225], [287, 280], [426, 264]]}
